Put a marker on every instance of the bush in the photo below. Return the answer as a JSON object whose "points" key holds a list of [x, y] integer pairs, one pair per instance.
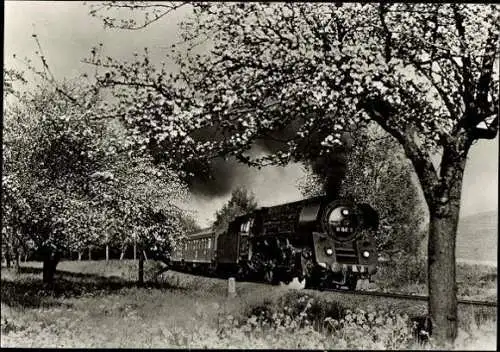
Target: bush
{"points": [[402, 271], [372, 330], [299, 317], [298, 307]]}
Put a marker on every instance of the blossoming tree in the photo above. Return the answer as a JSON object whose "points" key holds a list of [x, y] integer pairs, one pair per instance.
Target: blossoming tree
{"points": [[68, 182], [425, 73]]}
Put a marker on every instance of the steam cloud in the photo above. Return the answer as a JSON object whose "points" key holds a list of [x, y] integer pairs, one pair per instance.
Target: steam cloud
{"points": [[224, 175]]}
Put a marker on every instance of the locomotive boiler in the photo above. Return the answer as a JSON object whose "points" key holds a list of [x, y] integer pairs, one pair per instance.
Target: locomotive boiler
{"points": [[327, 242]]}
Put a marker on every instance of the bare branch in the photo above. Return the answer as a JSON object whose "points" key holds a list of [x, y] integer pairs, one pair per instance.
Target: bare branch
{"points": [[131, 25]]}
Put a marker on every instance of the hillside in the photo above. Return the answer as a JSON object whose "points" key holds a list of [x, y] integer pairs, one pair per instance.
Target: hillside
{"points": [[478, 238]]}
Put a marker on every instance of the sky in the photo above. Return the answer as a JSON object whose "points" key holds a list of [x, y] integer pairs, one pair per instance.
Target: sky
{"points": [[67, 33]]}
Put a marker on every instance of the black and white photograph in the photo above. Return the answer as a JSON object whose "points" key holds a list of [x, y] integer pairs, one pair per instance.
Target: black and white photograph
{"points": [[250, 175]]}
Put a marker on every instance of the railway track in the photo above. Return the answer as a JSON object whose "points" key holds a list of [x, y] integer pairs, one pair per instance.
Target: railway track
{"points": [[410, 297], [398, 296]]}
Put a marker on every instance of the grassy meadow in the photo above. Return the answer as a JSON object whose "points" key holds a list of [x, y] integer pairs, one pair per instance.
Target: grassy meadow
{"points": [[94, 304]]}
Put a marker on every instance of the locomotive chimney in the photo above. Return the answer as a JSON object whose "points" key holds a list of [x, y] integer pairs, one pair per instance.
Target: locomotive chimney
{"points": [[332, 167]]}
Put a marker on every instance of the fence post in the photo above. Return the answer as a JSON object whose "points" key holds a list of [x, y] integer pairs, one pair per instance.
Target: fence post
{"points": [[231, 287]]}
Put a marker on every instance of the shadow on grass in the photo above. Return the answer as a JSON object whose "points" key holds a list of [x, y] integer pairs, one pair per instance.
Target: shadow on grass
{"points": [[28, 291]]}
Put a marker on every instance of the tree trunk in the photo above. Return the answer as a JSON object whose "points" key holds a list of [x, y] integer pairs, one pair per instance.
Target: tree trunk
{"points": [[135, 251], [49, 267], [8, 258], [79, 256], [442, 278], [18, 261], [444, 214], [90, 253], [140, 281], [107, 253], [122, 254], [8, 261]]}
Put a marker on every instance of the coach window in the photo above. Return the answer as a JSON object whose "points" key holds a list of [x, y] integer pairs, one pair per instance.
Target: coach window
{"points": [[209, 243]]}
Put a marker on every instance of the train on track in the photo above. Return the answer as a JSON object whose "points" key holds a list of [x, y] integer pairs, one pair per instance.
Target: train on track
{"points": [[329, 243]]}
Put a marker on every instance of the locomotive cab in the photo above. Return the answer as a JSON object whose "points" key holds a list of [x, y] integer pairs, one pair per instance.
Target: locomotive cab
{"points": [[234, 243]]}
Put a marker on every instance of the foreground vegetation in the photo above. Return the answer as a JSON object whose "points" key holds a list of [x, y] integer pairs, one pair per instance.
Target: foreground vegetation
{"points": [[94, 304]]}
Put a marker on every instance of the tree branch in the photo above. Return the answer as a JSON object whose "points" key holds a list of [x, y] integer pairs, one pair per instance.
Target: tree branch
{"points": [[480, 108], [132, 7], [382, 10], [468, 87], [381, 113], [443, 95]]}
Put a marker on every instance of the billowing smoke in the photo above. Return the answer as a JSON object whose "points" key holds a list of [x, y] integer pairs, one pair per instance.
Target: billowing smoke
{"points": [[222, 176], [220, 179], [216, 177], [331, 169]]}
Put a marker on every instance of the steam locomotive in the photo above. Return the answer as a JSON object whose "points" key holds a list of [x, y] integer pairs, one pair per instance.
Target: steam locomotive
{"points": [[329, 243]]}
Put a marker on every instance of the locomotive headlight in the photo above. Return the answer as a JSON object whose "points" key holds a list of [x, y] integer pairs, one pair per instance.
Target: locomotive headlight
{"points": [[329, 251], [345, 212], [366, 254]]}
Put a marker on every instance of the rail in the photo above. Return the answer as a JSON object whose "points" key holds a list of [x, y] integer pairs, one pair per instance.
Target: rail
{"points": [[410, 297]]}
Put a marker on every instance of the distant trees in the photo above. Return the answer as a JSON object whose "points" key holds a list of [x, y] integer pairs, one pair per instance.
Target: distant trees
{"points": [[189, 224], [379, 174], [241, 202]]}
